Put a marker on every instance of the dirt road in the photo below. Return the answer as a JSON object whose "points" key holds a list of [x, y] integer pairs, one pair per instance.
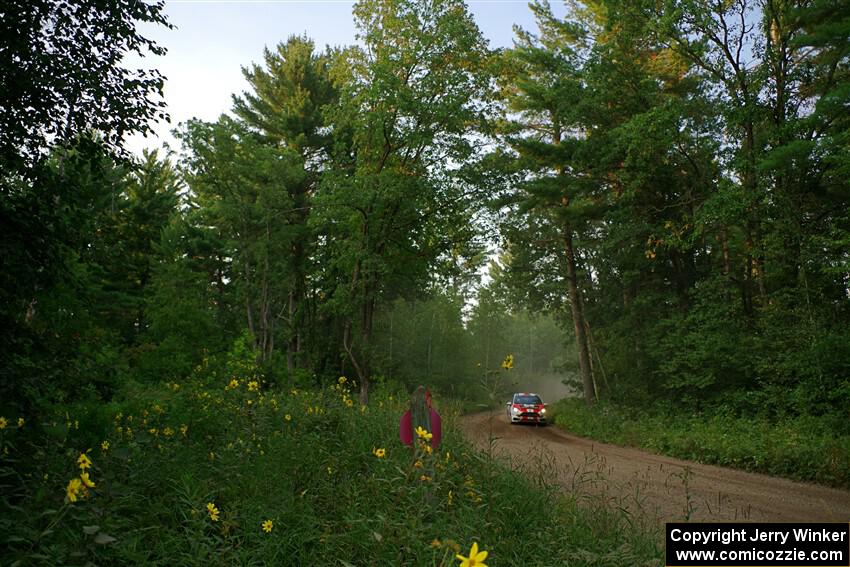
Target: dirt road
{"points": [[654, 487]]}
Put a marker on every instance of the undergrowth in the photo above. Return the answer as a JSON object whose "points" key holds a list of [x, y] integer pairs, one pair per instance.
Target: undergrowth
{"points": [[224, 469], [802, 448]]}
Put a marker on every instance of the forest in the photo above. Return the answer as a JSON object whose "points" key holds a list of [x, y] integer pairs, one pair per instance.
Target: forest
{"points": [[666, 181], [646, 203]]}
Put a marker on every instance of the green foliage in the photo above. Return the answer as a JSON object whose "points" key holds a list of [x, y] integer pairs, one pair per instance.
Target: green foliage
{"points": [[804, 448], [396, 204], [87, 305], [68, 103], [289, 96], [306, 460], [701, 189], [63, 77], [182, 321], [711, 350], [243, 190]]}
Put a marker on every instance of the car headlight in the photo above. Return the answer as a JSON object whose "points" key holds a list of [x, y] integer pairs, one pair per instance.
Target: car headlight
{"points": [[514, 410], [543, 410]]}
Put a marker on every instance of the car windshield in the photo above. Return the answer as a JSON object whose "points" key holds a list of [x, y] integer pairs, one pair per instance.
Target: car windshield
{"points": [[527, 400]]}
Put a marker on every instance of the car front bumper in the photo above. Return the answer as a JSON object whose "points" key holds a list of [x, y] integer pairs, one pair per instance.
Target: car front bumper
{"points": [[527, 417]]}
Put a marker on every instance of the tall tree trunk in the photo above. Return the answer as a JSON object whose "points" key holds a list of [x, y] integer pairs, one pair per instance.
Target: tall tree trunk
{"points": [[755, 257], [578, 320], [298, 314], [249, 307], [724, 246], [293, 333], [361, 360], [266, 324], [576, 307], [365, 368]]}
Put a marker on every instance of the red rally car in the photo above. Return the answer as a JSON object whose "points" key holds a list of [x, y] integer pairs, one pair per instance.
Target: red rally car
{"points": [[526, 408]]}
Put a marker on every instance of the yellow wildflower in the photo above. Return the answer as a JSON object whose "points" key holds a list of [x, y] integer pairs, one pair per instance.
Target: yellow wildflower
{"points": [[21, 422], [184, 429], [212, 511], [423, 434], [3, 422], [476, 558], [427, 449], [349, 402], [75, 487], [424, 478], [232, 385], [104, 446], [287, 417], [380, 453], [253, 386], [435, 543], [342, 380], [508, 362], [418, 464], [268, 525], [168, 432], [83, 461], [451, 497], [84, 476]]}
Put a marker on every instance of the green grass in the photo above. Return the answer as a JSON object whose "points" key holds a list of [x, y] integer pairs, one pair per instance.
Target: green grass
{"points": [[331, 499], [802, 448]]}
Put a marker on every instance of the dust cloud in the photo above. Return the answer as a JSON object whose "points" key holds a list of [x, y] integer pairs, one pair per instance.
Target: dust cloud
{"points": [[548, 386]]}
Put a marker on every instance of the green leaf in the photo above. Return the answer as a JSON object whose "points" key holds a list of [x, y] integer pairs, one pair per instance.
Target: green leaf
{"points": [[102, 538]]}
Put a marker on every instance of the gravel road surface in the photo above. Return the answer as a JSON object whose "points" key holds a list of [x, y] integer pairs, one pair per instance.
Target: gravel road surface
{"points": [[650, 486]]}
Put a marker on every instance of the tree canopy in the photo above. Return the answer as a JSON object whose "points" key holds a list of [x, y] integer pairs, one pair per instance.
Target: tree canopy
{"points": [[659, 190]]}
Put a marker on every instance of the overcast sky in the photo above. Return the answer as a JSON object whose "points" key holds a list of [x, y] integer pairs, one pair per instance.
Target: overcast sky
{"points": [[213, 39]]}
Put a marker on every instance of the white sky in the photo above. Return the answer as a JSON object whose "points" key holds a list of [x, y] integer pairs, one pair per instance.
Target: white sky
{"points": [[213, 39]]}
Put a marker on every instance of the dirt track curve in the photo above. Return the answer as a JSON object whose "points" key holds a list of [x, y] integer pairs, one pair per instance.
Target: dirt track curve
{"points": [[651, 486]]}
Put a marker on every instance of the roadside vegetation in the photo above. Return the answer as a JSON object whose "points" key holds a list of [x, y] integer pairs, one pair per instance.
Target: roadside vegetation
{"points": [[815, 449], [226, 469]]}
